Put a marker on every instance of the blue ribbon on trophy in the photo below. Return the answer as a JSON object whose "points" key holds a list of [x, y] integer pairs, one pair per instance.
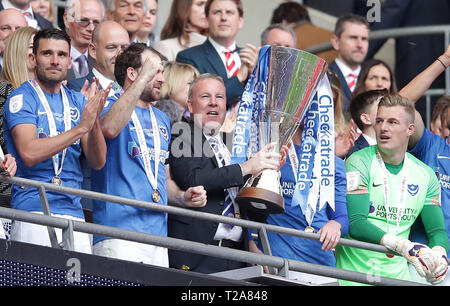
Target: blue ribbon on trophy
{"points": [[246, 133], [315, 173]]}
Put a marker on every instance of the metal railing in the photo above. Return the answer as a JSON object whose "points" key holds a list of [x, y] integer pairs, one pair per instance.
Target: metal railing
{"points": [[402, 32], [282, 265]]}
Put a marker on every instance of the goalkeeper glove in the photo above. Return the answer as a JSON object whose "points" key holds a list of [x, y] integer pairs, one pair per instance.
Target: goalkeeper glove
{"points": [[440, 263], [418, 255]]}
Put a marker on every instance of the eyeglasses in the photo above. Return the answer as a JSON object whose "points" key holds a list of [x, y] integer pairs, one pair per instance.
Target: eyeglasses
{"points": [[85, 22]]}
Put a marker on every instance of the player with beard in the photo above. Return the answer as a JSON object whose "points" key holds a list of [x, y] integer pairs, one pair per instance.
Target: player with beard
{"points": [[137, 137], [47, 126]]}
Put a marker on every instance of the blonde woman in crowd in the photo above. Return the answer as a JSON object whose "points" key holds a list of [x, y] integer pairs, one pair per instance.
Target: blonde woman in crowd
{"points": [[17, 66], [16, 70], [174, 92]]}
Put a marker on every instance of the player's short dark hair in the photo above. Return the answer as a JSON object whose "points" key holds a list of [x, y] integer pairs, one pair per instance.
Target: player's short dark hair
{"points": [[351, 18], [237, 2], [49, 34], [131, 57], [361, 103]]}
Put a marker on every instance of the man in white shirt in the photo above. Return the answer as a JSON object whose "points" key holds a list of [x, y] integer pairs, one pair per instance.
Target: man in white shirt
{"points": [[109, 39], [351, 40], [80, 18], [219, 54]]}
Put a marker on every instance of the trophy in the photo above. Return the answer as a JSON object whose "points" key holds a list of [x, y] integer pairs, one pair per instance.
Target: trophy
{"points": [[293, 78]]}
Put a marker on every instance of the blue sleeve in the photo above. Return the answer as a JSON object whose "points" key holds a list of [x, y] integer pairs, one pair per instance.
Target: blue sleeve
{"points": [[20, 108], [109, 103], [340, 210]]}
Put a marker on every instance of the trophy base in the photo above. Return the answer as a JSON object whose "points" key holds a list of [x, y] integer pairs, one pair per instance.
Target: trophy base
{"points": [[259, 203]]}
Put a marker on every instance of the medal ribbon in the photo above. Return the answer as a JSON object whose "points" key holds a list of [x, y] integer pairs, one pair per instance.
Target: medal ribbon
{"points": [[402, 196], [51, 121], [152, 178]]}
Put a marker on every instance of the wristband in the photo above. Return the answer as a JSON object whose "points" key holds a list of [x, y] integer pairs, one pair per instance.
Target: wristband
{"points": [[439, 60]]}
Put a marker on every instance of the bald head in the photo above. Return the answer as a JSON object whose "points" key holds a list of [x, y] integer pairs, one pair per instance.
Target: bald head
{"points": [[10, 20], [108, 40]]}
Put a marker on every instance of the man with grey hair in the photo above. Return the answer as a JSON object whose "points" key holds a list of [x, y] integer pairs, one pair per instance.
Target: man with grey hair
{"points": [[128, 13], [279, 34], [80, 19], [214, 171]]}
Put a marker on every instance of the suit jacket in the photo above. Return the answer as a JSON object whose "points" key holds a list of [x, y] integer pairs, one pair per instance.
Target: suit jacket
{"points": [[41, 21], [77, 84], [206, 59], [360, 143], [194, 171], [345, 90], [71, 73]]}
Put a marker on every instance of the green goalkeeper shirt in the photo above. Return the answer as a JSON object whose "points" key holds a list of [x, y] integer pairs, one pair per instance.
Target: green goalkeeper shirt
{"points": [[370, 218]]}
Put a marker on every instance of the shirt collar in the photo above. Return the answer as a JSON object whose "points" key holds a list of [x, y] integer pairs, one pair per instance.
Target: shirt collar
{"points": [[347, 70], [7, 4], [75, 53], [370, 140], [104, 81], [219, 48]]}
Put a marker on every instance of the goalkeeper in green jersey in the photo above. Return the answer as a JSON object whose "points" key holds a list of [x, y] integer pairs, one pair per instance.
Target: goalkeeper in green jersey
{"points": [[387, 189]]}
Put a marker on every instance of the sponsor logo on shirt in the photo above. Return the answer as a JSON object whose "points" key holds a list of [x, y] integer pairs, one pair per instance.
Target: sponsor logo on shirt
{"points": [[444, 179], [134, 151]]}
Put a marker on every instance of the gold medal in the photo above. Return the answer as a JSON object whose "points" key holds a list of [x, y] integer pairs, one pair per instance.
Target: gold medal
{"points": [[155, 196], [57, 180], [309, 229]]}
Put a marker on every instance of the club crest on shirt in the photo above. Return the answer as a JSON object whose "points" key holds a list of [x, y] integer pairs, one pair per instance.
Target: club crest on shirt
{"points": [[413, 189], [74, 114], [164, 133], [15, 104]]}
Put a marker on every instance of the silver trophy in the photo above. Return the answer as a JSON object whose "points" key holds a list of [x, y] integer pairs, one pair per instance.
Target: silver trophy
{"points": [[292, 82]]}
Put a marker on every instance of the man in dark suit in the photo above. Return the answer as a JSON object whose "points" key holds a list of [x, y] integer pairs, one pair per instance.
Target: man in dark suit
{"points": [[198, 156], [351, 40], [80, 19], [219, 54], [34, 20]]}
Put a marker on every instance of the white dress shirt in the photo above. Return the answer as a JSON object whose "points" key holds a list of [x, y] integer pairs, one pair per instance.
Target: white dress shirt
{"points": [[346, 71], [223, 231], [221, 51]]}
